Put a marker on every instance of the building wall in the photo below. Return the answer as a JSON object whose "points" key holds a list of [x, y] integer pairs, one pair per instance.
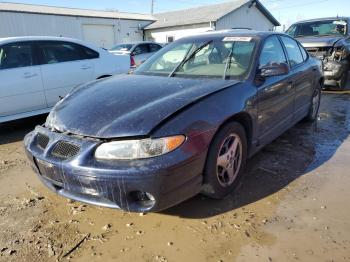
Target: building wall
{"points": [[242, 17], [161, 35], [245, 17], [24, 24]]}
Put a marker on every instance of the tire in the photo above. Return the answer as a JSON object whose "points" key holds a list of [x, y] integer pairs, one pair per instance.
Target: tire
{"points": [[315, 105], [343, 80], [224, 169]]}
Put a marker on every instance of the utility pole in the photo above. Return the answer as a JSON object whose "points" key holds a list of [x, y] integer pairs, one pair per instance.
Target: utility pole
{"points": [[152, 6]]}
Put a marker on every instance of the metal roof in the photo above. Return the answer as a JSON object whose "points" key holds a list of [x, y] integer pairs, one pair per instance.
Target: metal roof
{"points": [[205, 14], [220, 34], [53, 10], [46, 38], [324, 19]]}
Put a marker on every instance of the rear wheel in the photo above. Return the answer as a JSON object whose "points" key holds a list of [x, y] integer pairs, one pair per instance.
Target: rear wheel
{"points": [[225, 162], [315, 105]]}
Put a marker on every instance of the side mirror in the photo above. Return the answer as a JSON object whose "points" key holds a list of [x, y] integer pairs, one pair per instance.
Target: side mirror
{"points": [[274, 70]]}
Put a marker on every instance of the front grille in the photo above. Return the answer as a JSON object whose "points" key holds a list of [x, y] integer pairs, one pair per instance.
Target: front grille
{"points": [[42, 141], [319, 52], [65, 150]]}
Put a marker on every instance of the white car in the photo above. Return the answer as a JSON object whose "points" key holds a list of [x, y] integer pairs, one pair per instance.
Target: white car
{"points": [[138, 52], [36, 72]]}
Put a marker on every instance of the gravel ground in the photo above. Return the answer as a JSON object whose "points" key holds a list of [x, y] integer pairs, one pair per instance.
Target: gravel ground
{"points": [[292, 205]]}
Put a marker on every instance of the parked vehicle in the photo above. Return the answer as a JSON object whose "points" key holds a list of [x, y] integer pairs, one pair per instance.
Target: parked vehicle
{"points": [[329, 40], [36, 72], [138, 52], [182, 124]]}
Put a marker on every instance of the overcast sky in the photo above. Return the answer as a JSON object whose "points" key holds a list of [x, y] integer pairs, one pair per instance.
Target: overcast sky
{"points": [[286, 11]]}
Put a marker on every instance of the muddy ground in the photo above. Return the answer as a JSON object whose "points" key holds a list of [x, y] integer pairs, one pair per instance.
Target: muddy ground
{"points": [[293, 205]]}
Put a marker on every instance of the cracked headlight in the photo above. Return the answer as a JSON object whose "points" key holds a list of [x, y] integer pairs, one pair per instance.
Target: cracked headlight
{"points": [[138, 149]]}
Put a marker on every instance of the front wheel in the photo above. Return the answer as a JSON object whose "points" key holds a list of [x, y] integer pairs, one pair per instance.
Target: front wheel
{"points": [[225, 162]]}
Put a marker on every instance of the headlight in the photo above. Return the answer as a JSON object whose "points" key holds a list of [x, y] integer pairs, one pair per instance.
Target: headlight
{"points": [[137, 149]]}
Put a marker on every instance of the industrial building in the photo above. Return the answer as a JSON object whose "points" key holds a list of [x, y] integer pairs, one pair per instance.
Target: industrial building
{"points": [[171, 26], [103, 28]]}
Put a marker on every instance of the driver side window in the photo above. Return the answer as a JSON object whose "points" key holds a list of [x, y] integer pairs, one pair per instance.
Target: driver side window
{"points": [[272, 53], [16, 55]]}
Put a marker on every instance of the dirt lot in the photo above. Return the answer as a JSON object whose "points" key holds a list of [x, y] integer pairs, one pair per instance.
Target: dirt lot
{"points": [[293, 205]]}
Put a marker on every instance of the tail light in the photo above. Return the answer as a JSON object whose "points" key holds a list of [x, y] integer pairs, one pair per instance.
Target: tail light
{"points": [[132, 61]]}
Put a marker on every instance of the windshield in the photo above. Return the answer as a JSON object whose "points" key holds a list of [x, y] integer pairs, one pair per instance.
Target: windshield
{"points": [[122, 47], [227, 58], [319, 28]]}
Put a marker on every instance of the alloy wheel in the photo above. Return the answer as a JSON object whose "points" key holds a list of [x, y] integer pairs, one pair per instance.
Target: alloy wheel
{"points": [[229, 160]]}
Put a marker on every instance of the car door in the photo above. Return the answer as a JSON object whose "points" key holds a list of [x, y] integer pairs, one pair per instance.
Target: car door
{"points": [[140, 53], [64, 66], [303, 76], [275, 93], [21, 88]]}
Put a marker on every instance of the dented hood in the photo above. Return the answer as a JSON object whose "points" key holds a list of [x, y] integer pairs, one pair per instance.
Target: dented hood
{"points": [[318, 41], [127, 105]]}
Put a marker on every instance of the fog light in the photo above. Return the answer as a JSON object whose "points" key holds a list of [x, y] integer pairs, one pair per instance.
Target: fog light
{"points": [[143, 199]]}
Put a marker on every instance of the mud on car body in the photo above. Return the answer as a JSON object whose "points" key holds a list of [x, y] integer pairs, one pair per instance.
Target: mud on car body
{"points": [[329, 40], [184, 123]]}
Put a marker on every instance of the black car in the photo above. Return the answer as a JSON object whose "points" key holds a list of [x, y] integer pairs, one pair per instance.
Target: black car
{"points": [[329, 40], [184, 123]]}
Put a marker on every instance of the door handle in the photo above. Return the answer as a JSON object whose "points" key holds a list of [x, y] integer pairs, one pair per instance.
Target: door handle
{"points": [[85, 67], [30, 75], [290, 85]]}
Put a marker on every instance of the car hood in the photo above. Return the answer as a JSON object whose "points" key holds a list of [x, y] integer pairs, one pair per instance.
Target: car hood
{"points": [[128, 105], [319, 41]]}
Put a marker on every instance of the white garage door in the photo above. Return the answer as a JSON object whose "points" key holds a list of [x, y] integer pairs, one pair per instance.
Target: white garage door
{"points": [[100, 35]]}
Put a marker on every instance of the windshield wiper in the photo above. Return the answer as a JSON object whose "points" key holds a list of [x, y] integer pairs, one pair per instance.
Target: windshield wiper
{"points": [[185, 60], [229, 61], [228, 64]]}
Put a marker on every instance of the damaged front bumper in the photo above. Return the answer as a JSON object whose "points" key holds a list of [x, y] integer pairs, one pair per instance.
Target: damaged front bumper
{"points": [[334, 70], [66, 165], [335, 61]]}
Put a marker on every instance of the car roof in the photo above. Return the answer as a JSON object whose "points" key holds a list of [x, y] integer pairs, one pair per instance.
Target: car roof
{"points": [[324, 19], [45, 38], [218, 35], [137, 43]]}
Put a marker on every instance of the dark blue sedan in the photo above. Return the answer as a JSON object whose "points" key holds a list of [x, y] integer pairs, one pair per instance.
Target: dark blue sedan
{"points": [[184, 123]]}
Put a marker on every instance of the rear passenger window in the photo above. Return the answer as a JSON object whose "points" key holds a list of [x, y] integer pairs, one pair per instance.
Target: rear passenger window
{"points": [[59, 52], [90, 54], [293, 51], [304, 53], [16, 55], [154, 48], [141, 49], [272, 52]]}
